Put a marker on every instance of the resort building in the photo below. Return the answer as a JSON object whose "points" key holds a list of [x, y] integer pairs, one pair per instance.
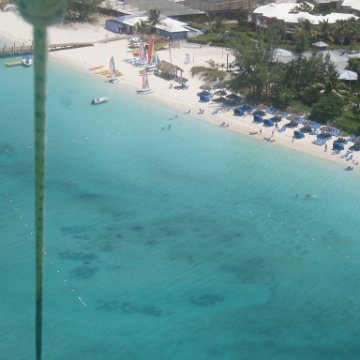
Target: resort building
{"points": [[137, 7], [352, 6], [167, 27], [220, 5], [285, 14]]}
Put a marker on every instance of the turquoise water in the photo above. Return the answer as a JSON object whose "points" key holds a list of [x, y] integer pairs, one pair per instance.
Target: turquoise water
{"points": [[188, 243]]}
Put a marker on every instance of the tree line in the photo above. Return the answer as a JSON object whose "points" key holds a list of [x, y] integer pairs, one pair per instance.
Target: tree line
{"points": [[310, 81]]}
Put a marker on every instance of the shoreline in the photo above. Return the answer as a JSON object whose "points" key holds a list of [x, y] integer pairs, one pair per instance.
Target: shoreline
{"points": [[12, 26]]}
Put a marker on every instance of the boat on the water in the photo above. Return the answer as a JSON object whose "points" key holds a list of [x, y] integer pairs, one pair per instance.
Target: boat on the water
{"points": [[99, 100], [27, 61], [145, 89], [13, 63]]}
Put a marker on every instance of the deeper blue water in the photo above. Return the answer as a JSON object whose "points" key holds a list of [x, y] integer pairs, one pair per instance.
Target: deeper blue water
{"points": [[188, 243]]}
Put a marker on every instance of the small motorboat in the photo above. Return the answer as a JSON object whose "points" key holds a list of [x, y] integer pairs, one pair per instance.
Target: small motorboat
{"points": [[99, 100], [27, 61], [349, 168]]}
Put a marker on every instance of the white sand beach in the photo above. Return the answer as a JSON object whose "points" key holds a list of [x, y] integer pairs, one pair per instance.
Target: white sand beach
{"points": [[12, 26]]}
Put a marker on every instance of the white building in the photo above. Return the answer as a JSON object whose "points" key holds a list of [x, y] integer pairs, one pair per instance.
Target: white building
{"points": [[167, 27], [264, 15], [352, 5]]}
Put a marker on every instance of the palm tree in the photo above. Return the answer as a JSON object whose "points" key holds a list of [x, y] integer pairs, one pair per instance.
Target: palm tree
{"points": [[210, 17], [354, 31], [324, 29], [142, 27], [154, 17], [340, 31], [211, 73], [242, 16]]}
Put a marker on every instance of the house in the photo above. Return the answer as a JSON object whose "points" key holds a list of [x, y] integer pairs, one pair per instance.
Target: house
{"points": [[219, 5], [284, 13], [352, 5], [167, 27]]}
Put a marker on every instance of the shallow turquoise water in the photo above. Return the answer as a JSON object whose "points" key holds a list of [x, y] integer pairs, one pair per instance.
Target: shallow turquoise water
{"points": [[188, 243]]}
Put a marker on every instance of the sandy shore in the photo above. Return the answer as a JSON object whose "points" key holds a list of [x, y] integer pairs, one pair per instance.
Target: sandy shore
{"points": [[13, 27]]}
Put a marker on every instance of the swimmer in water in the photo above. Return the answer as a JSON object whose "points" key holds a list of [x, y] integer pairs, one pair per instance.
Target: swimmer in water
{"points": [[309, 196]]}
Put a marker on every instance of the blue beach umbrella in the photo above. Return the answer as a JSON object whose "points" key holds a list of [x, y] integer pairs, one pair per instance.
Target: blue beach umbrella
{"points": [[258, 119], [298, 134], [268, 122]]}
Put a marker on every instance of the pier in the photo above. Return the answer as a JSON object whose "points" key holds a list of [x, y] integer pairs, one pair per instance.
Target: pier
{"points": [[13, 51]]}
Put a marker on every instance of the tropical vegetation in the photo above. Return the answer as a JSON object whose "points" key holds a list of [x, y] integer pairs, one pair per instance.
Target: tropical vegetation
{"points": [[309, 83], [81, 10]]}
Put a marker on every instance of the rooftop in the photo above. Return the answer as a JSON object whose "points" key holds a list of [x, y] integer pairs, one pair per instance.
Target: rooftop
{"points": [[353, 4], [283, 12], [167, 24], [137, 7]]}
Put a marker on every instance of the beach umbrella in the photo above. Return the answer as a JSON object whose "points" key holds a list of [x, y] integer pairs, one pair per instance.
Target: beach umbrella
{"points": [[298, 134], [293, 117], [348, 75], [306, 129], [312, 124], [259, 112], [356, 141], [220, 93], [356, 146], [292, 124], [330, 130], [326, 128], [276, 118]]}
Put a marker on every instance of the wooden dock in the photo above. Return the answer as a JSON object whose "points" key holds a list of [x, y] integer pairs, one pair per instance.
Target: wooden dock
{"points": [[8, 52], [13, 51]]}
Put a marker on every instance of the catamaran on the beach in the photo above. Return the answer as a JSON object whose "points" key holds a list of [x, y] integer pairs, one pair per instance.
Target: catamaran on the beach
{"points": [[145, 84], [113, 73]]}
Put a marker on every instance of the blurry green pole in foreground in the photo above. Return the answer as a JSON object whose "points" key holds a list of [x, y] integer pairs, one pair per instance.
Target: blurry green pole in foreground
{"points": [[40, 13]]}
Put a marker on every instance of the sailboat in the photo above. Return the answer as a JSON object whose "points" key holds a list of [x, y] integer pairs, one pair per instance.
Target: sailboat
{"points": [[152, 60], [145, 84], [113, 73]]}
